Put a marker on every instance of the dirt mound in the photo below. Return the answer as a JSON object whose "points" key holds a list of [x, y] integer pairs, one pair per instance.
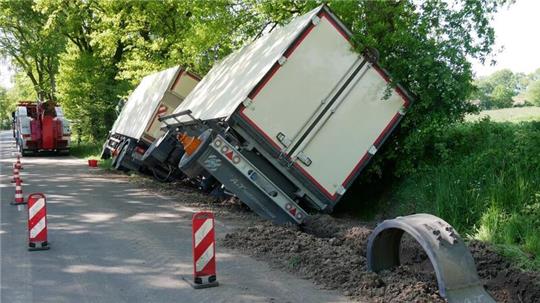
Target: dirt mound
{"points": [[504, 282], [333, 262], [332, 254]]}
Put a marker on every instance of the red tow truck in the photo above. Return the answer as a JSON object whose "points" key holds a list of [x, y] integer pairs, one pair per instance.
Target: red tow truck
{"points": [[40, 126]]}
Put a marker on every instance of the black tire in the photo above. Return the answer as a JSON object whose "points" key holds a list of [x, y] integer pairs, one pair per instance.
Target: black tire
{"points": [[121, 155], [115, 158], [162, 175]]}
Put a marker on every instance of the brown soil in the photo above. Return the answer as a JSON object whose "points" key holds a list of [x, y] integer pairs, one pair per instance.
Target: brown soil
{"points": [[332, 253]]}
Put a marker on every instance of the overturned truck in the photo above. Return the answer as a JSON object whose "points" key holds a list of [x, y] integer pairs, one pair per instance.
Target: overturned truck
{"points": [[137, 128], [288, 122]]}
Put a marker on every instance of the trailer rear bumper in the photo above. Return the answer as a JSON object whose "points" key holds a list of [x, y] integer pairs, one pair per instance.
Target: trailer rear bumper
{"points": [[233, 170]]}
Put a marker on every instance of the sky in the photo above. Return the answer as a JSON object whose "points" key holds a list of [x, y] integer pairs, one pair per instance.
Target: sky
{"points": [[516, 30]]}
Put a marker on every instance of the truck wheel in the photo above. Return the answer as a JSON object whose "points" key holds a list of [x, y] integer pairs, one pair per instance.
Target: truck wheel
{"points": [[105, 152], [63, 152], [188, 163], [115, 157], [121, 155], [162, 175]]}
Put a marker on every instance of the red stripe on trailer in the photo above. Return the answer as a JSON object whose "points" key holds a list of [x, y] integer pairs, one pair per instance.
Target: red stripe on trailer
{"points": [[315, 182], [37, 222], [264, 81], [177, 79], [298, 40], [193, 76], [358, 165], [324, 14], [398, 89], [387, 129], [250, 122], [204, 250]]}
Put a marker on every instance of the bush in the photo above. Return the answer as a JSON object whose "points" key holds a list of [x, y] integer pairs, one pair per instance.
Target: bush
{"points": [[484, 179]]}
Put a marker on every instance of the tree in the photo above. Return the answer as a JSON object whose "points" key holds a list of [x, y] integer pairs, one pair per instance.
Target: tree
{"points": [[113, 44], [22, 89], [32, 44], [498, 89], [426, 46], [533, 92]]}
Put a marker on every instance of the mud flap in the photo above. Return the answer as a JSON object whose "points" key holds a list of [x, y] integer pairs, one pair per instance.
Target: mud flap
{"points": [[454, 266]]}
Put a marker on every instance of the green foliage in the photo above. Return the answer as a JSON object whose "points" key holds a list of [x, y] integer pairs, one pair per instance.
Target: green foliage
{"points": [[86, 150], [90, 104], [5, 110], [533, 92], [484, 179], [113, 44], [32, 44], [498, 89], [22, 90]]}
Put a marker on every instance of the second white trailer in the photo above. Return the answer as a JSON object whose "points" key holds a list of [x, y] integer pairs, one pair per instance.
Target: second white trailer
{"points": [[137, 125]]}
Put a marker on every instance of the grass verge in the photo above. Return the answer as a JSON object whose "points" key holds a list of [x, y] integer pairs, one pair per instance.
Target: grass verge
{"points": [[89, 150], [484, 179]]}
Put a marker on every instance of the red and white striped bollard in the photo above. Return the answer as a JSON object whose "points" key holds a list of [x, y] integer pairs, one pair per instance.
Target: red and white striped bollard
{"points": [[204, 250], [37, 222]]}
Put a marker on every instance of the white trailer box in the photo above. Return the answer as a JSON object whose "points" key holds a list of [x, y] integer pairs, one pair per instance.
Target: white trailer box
{"points": [[137, 125], [138, 118], [302, 98]]}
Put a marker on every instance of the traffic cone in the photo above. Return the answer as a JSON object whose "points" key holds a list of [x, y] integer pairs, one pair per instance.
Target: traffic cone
{"points": [[19, 198], [16, 175], [19, 164]]}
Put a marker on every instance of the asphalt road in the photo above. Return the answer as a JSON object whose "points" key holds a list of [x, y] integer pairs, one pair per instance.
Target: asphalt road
{"points": [[113, 242]]}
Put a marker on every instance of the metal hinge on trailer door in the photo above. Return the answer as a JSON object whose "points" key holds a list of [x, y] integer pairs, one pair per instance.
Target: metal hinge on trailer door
{"points": [[247, 102], [282, 138], [304, 159], [402, 110]]}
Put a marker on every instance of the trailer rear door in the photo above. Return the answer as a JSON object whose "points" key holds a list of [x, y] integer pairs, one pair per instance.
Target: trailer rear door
{"points": [[290, 100], [170, 100], [325, 107], [343, 139]]}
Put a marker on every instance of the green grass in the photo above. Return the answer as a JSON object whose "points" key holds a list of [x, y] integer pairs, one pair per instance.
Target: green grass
{"points": [[89, 150], [516, 114], [86, 150], [484, 179]]}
